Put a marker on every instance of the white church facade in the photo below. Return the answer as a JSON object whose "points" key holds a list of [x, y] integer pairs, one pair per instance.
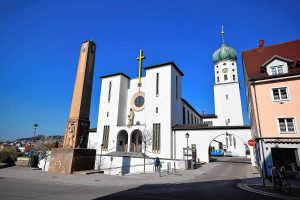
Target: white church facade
{"points": [[131, 108]]}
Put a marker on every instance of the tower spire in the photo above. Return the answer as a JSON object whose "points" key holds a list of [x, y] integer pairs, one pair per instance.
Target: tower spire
{"points": [[222, 33]]}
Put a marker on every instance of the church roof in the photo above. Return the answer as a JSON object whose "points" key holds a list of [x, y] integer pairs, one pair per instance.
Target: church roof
{"points": [[255, 59], [116, 74], [224, 53], [205, 127], [164, 64]]}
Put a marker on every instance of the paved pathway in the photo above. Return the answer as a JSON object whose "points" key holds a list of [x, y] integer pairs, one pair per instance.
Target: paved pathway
{"points": [[217, 180]]}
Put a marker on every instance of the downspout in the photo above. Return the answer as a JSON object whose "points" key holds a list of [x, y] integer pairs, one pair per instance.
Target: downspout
{"points": [[261, 142]]}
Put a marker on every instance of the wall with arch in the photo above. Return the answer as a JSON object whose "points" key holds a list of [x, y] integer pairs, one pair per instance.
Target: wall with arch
{"points": [[202, 139]]}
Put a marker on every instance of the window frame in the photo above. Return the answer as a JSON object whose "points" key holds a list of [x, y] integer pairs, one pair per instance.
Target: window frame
{"points": [[286, 126], [279, 92], [276, 69]]}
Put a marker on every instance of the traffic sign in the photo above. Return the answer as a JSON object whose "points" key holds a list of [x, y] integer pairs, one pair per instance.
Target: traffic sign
{"points": [[251, 143]]}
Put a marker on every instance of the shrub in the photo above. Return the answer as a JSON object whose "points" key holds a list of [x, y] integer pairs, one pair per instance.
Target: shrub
{"points": [[8, 156]]}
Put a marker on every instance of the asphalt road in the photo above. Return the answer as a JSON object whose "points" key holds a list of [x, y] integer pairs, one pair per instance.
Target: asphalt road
{"points": [[219, 182]]}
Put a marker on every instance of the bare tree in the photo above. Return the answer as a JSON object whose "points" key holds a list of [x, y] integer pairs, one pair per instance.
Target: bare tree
{"points": [[146, 142], [44, 145]]}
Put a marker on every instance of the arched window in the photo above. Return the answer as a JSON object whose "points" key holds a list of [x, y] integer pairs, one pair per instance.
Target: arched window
{"points": [[233, 77], [218, 79], [225, 77]]}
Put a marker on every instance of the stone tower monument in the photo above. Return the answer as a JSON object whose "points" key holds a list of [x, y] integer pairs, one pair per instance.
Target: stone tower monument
{"points": [[77, 127], [74, 156]]}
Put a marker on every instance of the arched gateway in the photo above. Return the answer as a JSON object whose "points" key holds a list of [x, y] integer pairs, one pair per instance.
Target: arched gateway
{"points": [[122, 141], [201, 137], [136, 141]]}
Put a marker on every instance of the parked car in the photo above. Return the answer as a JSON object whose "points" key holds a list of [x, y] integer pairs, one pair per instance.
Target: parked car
{"points": [[228, 153], [218, 153]]}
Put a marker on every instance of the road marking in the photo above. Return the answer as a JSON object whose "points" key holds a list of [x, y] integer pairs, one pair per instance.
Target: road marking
{"points": [[245, 186]]}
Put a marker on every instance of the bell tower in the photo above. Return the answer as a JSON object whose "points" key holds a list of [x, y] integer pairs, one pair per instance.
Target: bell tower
{"points": [[227, 96]]}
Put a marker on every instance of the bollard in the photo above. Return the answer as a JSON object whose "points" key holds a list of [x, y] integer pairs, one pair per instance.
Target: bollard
{"points": [[174, 167], [159, 171]]}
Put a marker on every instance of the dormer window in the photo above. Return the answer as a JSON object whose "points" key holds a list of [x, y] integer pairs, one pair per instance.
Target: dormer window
{"points": [[276, 70], [276, 65]]}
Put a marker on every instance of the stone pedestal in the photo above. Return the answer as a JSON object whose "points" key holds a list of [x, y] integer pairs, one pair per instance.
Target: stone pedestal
{"points": [[68, 160]]}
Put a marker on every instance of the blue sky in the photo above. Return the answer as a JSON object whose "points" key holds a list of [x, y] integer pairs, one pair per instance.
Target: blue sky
{"points": [[40, 43]]}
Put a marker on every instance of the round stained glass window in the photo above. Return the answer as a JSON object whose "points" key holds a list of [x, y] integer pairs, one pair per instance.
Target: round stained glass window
{"points": [[139, 101]]}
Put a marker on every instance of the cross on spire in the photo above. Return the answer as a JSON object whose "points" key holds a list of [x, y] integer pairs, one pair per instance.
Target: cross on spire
{"points": [[222, 33], [140, 59]]}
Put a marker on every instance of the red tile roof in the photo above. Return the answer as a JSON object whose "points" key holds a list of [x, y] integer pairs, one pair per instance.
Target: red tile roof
{"points": [[253, 59]]}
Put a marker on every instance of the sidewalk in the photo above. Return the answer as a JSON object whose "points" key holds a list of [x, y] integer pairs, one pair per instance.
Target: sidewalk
{"points": [[253, 182], [103, 179]]}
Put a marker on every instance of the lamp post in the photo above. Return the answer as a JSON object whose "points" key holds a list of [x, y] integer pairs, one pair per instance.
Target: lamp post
{"points": [[187, 145], [34, 127]]}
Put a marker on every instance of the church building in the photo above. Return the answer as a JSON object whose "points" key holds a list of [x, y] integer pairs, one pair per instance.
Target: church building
{"points": [[152, 106]]}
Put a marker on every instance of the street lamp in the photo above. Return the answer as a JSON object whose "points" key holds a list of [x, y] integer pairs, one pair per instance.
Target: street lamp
{"points": [[187, 145], [34, 127]]}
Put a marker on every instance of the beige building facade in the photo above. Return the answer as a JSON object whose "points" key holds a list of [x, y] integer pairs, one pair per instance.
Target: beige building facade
{"points": [[272, 78]]}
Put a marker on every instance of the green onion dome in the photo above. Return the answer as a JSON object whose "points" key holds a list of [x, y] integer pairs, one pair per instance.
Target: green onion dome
{"points": [[224, 53]]}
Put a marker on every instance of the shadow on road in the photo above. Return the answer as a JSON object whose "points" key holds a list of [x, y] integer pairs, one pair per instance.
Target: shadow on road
{"points": [[230, 160], [224, 189]]}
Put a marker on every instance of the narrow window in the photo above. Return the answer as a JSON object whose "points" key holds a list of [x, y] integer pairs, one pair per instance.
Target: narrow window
{"points": [[107, 114], [192, 119], [218, 79], [226, 96], [156, 138], [105, 137], [233, 77], [188, 115], [157, 84], [225, 77], [109, 92], [286, 125], [156, 110], [183, 112], [176, 87]]}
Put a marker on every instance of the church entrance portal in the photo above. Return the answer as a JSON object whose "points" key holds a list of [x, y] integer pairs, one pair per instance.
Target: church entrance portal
{"points": [[122, 141], [136, 141]]}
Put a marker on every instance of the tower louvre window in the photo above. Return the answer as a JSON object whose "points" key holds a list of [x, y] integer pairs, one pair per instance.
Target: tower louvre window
{"points": [[176, 87], [156, 138], [109, 92], [157, 84], [105, 137], [183, 112]]}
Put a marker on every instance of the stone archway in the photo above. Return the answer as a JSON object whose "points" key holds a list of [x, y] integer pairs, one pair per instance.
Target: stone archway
{"points": [[136, 141], [122, 141], [228, 142], [202, 138]]}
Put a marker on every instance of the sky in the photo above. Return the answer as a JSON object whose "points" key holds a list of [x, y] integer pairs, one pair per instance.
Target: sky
{"points": [[40, 43]]}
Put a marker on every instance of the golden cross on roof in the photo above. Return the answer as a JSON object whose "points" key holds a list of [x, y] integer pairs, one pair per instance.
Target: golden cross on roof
{"points": [[140, 59]]}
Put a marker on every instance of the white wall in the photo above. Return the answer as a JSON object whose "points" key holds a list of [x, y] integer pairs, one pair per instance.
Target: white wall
{"points": [[228, 107]]}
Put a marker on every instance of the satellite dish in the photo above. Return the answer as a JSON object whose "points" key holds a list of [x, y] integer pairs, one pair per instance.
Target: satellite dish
{"points": [[261, 43]]}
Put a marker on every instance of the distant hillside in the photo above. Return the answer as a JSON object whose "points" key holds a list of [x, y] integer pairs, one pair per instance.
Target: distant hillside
{"points": [[39, 137]]}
